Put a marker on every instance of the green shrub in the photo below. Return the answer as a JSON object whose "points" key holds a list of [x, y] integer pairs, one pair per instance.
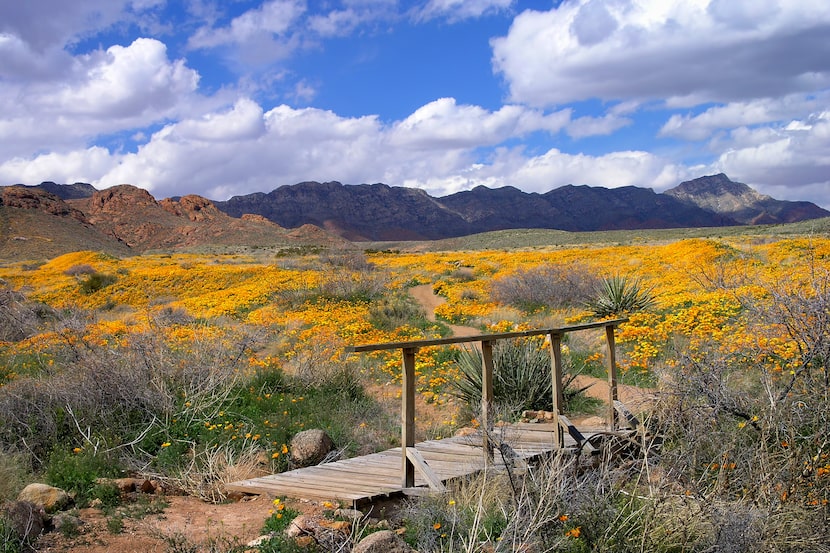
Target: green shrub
{"points": [[395, 311], [521, 377], [618, 295], [77, 474], [97, 281], [474, 511], [10, 540], [275, 526]]}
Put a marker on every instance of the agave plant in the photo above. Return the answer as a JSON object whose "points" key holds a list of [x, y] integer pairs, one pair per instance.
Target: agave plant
{"points": [[521, 377], [620, 294]]}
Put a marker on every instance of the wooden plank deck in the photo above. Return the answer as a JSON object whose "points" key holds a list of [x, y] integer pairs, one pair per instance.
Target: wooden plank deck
{"points": [[363, 479]]}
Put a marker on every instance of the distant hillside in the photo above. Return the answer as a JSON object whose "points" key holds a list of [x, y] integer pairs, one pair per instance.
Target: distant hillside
{"points": [[379, 212], [49, 219], [124, 219], [35, 224], [736, 200]]}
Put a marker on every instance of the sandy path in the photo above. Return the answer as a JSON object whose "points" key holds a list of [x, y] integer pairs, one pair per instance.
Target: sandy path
{"points": [[429, 301]]}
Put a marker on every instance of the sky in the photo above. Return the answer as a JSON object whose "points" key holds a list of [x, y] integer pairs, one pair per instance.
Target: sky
{"points": [[229, 97]]}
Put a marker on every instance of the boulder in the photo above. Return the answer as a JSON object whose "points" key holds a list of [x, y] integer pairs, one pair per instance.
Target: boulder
{"points": [[348, 514], [310, 447], [26, 520], [50, 498], [384, 541], [301, 525], [66, 524]]}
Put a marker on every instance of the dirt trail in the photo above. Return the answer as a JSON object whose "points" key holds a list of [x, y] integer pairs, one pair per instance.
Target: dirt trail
{"points": [[424, 295], [186, 518]]}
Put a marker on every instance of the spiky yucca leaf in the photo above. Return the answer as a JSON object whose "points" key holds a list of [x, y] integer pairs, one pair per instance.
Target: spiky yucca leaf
{"points": [[620, 294]]}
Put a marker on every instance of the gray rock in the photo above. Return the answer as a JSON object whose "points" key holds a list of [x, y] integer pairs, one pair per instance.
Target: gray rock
{"points": [[384, 541], [309, 447], [301, 525], [66, 523], [348, 514]]}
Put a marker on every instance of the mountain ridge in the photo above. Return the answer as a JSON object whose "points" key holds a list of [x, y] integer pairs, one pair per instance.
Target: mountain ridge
{"points": [[378, 212], [128, 218]]}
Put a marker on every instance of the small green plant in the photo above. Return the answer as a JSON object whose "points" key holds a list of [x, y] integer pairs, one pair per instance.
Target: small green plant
{"points": [[275, 525], [108, 494], [521, 378], [97, 281], [77, 472], [10, 541], [115, 523], [144, 506], [620, 294]]}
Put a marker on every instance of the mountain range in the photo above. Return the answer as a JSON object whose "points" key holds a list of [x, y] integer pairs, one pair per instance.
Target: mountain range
{"points": [[381, 212], [49, 218]]}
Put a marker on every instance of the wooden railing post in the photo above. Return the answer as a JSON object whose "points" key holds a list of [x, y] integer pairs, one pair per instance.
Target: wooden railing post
{"points": [[487, 398], [408, 416], [612, 376], [557, 393]]}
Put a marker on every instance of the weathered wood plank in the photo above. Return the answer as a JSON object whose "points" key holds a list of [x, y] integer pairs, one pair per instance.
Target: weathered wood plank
{"points": [[379, 474], [421, 466], [633, 422]]}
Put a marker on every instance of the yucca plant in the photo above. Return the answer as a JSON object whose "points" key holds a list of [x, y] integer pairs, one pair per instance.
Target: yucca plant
{"points": [[620, 294], [521, 377]]}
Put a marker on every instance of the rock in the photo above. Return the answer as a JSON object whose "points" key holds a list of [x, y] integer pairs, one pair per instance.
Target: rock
{"points": [[148, 486], [304, 541], [348, 514], [260, 540], [342, 526], [26, 519], [592, 422], [50, 498], [384, 541], [309, 447], [125, 485], [300, 526]]}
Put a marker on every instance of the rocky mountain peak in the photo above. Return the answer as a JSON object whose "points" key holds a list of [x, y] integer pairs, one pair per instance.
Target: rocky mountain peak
{"points": [[120, 198], [30, 197], [192, 206], [719, 194]]}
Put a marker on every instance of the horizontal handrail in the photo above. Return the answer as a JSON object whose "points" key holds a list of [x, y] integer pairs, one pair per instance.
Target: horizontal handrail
{"points": [[415, 344]]}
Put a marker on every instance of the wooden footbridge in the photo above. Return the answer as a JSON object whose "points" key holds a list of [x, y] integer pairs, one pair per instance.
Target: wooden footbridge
{"points": [[415, 468]]}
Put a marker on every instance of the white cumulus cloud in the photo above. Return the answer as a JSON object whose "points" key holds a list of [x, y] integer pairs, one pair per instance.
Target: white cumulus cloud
{"points": [[685, 52], [104, 91]]}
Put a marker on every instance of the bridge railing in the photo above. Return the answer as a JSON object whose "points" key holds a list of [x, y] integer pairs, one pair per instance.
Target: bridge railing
{"points": [[411, 460]]}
